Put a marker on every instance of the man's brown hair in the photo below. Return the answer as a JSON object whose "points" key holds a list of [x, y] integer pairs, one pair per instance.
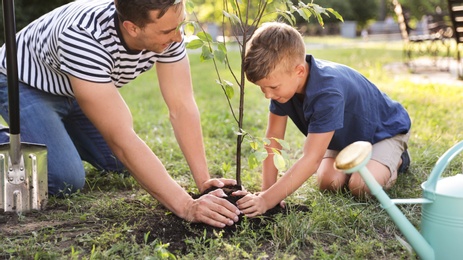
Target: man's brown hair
{"points": [[273, 45], [138, 11]]}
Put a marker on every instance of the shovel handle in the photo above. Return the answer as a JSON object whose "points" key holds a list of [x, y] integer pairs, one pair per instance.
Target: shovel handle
{"points": [[12, 65]]}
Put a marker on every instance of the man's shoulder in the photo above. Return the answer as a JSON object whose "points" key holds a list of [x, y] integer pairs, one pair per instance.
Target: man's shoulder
{"points": [[91, 15], [89, 22]]}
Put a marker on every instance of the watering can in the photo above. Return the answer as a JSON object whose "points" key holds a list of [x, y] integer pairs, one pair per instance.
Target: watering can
{"points": [[441, 234]]}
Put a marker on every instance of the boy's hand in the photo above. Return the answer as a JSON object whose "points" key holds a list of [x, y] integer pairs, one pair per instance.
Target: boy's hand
{"points": [[242, 192], [252, 205]]}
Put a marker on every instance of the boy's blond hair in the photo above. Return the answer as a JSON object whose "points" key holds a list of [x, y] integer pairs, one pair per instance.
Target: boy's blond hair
{"points": [[273, 45]]}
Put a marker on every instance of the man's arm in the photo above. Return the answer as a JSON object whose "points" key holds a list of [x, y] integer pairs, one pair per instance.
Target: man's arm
{"points": [[176, 86], [104, 106]]}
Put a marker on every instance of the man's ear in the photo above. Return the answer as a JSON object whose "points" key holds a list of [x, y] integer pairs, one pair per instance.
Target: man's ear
{"points": [[131, 28]]}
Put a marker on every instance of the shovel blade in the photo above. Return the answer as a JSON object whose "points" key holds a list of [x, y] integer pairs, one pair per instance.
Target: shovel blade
{"points": [[24, 186]]}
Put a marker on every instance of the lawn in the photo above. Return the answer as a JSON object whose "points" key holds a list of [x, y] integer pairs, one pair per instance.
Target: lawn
{"points": [[113, 218]]}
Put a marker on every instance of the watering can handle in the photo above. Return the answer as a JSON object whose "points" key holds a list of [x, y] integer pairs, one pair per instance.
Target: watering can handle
{"points": [[441, 164]]}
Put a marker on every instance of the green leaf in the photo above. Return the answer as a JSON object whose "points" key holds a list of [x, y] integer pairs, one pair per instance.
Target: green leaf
{"points": [[204, 36], [303, 14], [220, 56], [229, 91], [308, 13], [288, 16], [260, 156], [318, 9], [252, 161], [336, 14], [221, 46], [195, 44], [275, 150], [254, 145], [285, 155], [266, 141], [319, 19], [279, 162], [189, 28], [206, 54], [283, 143], [232, 17]]}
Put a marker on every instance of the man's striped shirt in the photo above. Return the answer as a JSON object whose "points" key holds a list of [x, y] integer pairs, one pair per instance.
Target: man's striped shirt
{"points": [[81, 39]]}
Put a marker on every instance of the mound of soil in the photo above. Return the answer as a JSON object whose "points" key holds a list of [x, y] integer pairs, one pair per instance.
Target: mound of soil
{"points": [[174, 230]]}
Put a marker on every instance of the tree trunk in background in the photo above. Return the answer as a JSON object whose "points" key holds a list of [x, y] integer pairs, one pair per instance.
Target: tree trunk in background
{"points": [[382, 10]]}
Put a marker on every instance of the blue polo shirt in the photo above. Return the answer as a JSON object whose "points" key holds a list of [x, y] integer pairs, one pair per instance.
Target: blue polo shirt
{"points": [[338, 98]]}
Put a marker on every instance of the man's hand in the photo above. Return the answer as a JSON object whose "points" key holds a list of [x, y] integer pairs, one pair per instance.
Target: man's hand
{"points": [[213, 210], [216, 182]]}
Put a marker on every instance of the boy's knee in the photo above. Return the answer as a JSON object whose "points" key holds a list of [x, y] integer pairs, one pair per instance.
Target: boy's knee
{"points": [[358, 187], [330, 182]]}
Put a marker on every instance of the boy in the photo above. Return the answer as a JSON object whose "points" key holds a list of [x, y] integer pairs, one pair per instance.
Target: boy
{"points": [[333, 105]]}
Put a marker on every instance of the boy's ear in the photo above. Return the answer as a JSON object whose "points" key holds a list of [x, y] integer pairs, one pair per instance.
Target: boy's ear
{"points": [[300, 69]]}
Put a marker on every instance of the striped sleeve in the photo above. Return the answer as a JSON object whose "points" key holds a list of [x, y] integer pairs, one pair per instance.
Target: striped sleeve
{"points": [[83, 57], [175, 52]]}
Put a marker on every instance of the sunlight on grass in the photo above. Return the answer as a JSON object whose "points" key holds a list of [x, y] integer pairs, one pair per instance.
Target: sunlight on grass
{"points": [[434, 110], [336, 226]]}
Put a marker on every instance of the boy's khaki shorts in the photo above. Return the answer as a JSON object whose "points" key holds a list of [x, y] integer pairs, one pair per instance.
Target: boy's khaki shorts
{"points": [[387, 152]]}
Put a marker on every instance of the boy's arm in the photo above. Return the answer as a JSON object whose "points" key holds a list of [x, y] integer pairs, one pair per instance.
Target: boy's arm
{"points": [[276, 128], [314, 149]]}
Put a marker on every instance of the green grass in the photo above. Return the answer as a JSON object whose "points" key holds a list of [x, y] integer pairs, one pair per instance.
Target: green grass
{"points": [[99, 223]]}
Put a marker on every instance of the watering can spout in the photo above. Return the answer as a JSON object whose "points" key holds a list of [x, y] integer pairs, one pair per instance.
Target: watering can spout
{"points": [[354, 158]]}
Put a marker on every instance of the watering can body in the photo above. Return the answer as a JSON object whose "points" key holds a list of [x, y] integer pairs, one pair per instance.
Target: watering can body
{"points": [[441, 234], [442, 220]]}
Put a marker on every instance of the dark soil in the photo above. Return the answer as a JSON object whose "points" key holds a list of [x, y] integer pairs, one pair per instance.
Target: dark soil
{"points": [[172, 229], [155, 223]]}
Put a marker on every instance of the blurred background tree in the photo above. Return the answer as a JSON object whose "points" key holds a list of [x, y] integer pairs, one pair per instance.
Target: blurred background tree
{"points": [[360, 11], [367, 12], [28, 10], [364, 12], [418, 8]]}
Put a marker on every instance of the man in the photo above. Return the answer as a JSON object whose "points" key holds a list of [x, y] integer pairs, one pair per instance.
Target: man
{"points": [[71, 63]]}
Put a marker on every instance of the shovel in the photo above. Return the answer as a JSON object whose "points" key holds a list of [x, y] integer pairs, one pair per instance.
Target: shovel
{"points": [[23, 166]]}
